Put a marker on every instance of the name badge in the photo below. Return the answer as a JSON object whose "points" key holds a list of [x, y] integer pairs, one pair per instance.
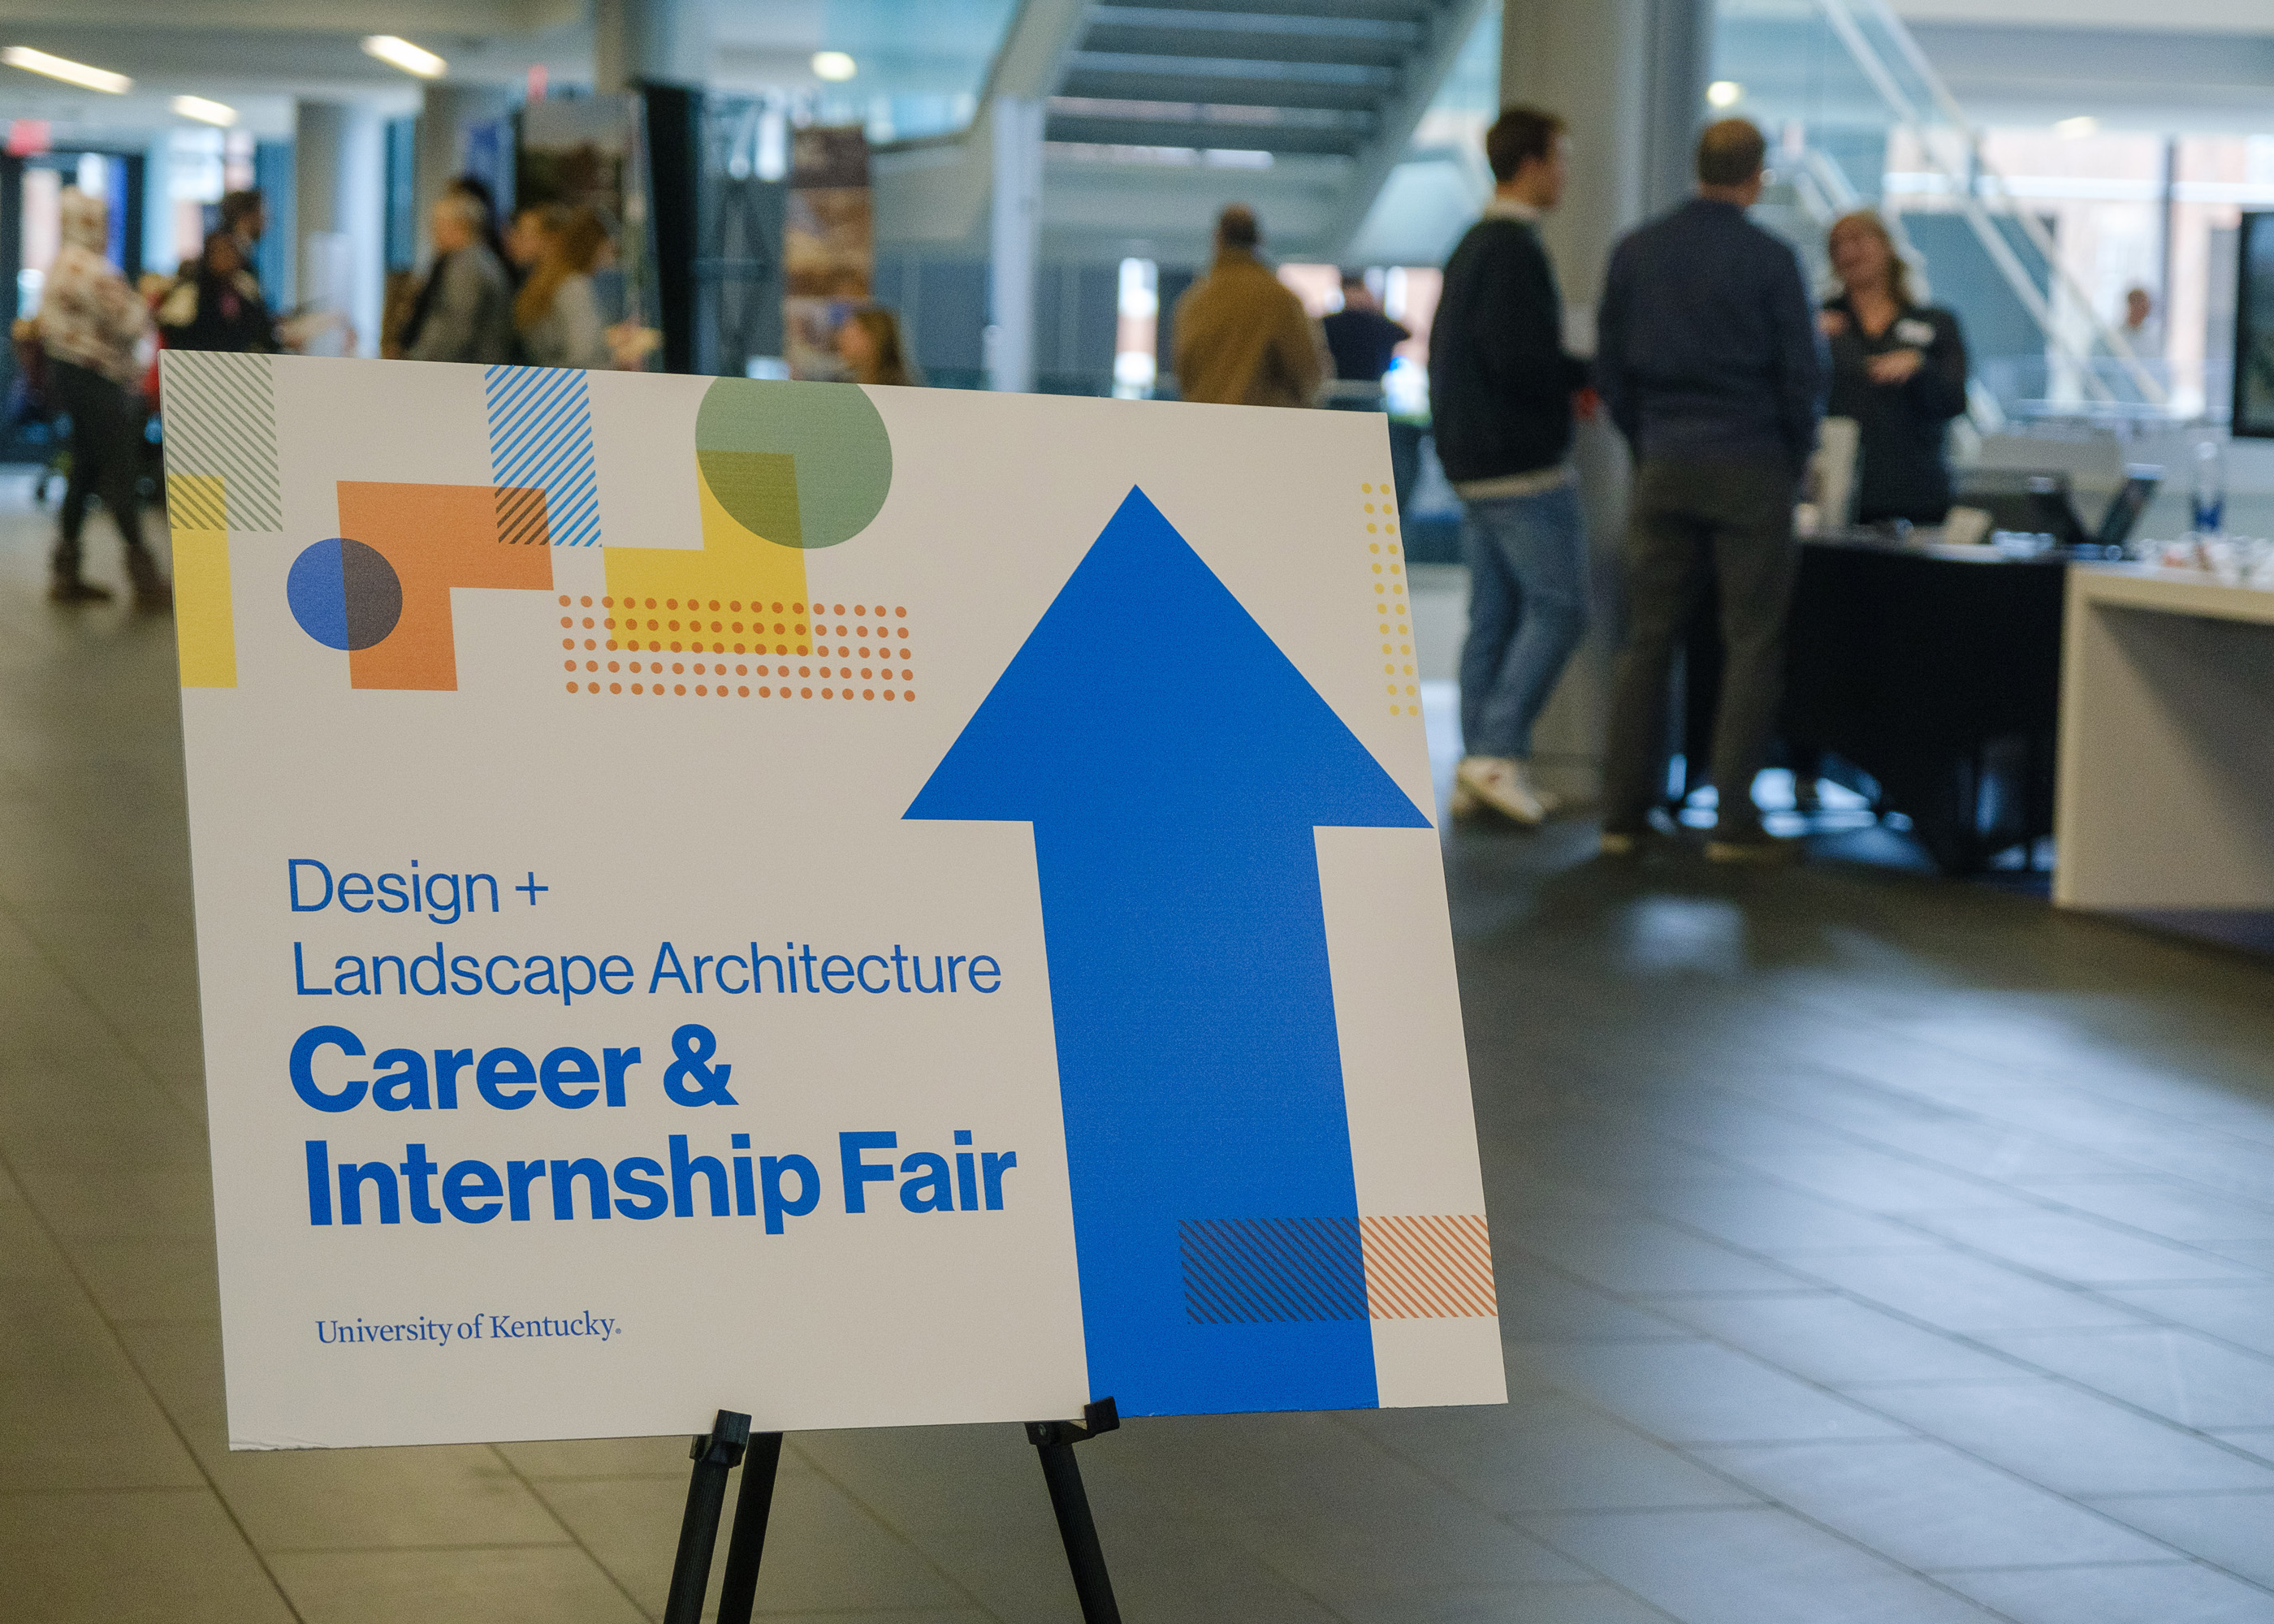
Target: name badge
{"points": [[1914, 331]]}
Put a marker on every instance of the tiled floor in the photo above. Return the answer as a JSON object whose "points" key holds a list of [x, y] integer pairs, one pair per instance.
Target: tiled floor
{"points": [[1870, 1249]]}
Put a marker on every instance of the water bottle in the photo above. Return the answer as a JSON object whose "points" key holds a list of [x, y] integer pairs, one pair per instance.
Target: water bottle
{"points": [[2211, 487]]}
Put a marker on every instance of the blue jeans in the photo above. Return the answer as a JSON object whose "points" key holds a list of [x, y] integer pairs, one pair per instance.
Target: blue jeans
{"points": [[1527, 559]]}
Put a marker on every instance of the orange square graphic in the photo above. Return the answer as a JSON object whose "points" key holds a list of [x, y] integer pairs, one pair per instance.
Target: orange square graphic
{"points": [[437, 536]]}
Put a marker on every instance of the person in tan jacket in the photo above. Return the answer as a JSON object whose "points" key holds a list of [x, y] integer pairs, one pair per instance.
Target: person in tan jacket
{"points": [[1242, 337]]}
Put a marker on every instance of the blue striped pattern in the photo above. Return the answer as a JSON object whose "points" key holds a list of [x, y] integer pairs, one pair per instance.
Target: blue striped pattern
{"points": [[541, 456], [1249, 1269]]}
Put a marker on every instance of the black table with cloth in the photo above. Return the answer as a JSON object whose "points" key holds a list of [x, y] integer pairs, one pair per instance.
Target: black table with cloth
{"points": [[1934, 669]]}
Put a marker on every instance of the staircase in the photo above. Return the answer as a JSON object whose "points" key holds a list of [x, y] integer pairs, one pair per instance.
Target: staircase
{"points": [[1154, 114], [1280, 78]]}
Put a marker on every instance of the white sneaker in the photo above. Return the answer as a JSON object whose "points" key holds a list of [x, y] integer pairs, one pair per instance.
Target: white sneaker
{"points": [[1549, 801], [1505, 786], [1462, 802]]}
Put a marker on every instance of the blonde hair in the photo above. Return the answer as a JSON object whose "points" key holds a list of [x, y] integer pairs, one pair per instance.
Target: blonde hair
{"points": [[86, 220], [573, 238], [1899, 270], [884, 330]]}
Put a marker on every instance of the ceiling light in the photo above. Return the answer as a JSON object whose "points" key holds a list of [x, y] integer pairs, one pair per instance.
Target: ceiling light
{"points": [[403, 54], [1724, 93], [206, 112], [833, 65], [62, 67], [2076, 129]]}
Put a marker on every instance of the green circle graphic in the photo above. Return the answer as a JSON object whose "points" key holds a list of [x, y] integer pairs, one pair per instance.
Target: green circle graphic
{"points": [[801, 464]]}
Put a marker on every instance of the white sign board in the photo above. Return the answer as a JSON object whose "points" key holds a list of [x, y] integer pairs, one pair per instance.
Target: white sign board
{"points": [[863, 907]]}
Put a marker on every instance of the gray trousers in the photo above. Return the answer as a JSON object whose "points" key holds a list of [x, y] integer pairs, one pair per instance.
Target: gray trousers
{"points": [[1734, 520]]}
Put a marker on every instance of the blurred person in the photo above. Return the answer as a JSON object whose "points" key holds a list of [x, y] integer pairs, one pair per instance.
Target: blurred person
{"points": [[90, 326], [556, 315], [2142, 326], [472, 185], [523, 242], [1898, 369], [413, 322], [1502, 398], [218, 306], [1242, 337], [629, 344], [398, 305], [1362, 339], [465, 311], [245, 217], [1710, 364], [869, 342]]}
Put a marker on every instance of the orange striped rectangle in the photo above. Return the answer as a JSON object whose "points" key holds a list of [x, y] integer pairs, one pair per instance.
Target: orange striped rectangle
{"points": [[1429, 1267]]}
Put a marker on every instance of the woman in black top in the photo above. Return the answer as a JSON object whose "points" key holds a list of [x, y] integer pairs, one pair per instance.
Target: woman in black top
{"points": [[1898, 369], [219, 306]]}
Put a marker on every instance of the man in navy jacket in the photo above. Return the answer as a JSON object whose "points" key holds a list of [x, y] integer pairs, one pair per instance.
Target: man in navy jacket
{"points": [[1501, 390], [1710, 364]]}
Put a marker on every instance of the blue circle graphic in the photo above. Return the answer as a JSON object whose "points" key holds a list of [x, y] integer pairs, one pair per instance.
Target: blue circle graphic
{"points": [[344, 594]]}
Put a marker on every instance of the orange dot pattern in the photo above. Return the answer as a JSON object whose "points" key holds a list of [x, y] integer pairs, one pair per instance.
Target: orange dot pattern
{"points": [[1391, 615], [690, 647]]}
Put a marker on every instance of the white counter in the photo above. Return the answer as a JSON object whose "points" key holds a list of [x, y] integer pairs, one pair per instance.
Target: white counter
{"points": [[2166, 804]]}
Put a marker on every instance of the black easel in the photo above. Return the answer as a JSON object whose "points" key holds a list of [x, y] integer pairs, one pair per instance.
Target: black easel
{"points": [[730, 1441], [715, 1454], [1055, 1441]]}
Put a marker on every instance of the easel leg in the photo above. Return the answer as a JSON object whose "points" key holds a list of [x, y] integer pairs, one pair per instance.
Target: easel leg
{"points": [[746, 1547], [1054, 1441], [714, 1454]]}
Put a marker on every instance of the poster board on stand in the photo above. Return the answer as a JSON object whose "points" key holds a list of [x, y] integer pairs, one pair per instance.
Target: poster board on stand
{"points": [[860, 906]]}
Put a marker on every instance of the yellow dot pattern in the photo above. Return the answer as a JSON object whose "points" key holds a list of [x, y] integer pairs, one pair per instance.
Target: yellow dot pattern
{"points": [[628, 647], [1392, 619]]}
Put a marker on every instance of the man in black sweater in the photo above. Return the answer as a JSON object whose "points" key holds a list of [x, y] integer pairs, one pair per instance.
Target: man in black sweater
{"points": [[1710, 362], [1501, 395]]}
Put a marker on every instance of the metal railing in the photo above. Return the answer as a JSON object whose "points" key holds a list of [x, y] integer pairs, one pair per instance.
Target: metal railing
{"points": [[1886, 55], [1823, 193]]}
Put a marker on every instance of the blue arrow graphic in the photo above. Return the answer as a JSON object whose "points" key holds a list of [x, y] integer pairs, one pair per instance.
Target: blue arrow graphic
{"points": [[1174, 765]]}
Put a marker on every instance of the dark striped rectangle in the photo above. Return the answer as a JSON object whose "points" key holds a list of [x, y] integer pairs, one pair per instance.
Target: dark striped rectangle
{"points": [[221, 420], [197, 502], [1249, 1269], [521, 516]]}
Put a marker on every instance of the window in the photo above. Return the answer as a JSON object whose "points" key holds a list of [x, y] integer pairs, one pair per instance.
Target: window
{"points": [[1136, 330]]}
